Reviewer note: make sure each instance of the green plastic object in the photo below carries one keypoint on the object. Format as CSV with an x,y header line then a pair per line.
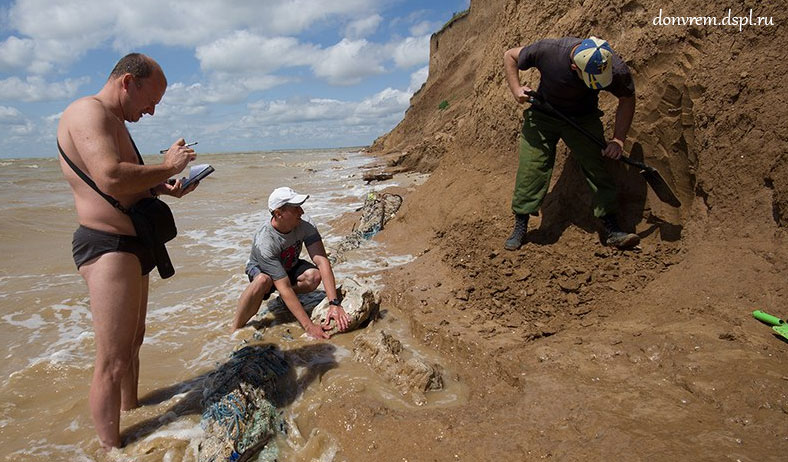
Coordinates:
x,y
767,318
779,326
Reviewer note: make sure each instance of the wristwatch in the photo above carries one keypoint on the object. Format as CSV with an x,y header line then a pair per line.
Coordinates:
x,y
335,302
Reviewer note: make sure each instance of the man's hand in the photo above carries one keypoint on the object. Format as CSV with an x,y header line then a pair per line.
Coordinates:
x,y
337,313
175,188
315,331
521,96
179,155
614,149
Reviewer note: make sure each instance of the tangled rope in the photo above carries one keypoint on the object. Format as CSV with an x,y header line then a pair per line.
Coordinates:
x,y
377,210
239,418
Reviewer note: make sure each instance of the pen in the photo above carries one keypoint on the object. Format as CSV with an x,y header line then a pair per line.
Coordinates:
x,y
185,146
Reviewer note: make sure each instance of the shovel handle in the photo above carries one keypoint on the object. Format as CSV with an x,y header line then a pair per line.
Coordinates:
x,y
653,178
634,163
537,101
767,318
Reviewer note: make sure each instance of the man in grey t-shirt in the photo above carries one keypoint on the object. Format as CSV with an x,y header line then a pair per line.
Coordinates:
x,y
274,264
573,72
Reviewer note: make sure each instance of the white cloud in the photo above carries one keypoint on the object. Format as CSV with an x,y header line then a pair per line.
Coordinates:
x,y
16,53
59,32
263,82
43,19
24,128
383,105
65,30
286,112
418,78
348,62
10,114
13,121
412,51
53,118
304,122
223,89
244,51
296,15
345,63
47,125
243,47
38,56
361,28
35,88
424,28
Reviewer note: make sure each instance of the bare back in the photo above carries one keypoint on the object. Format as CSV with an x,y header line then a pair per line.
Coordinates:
x,y
96,140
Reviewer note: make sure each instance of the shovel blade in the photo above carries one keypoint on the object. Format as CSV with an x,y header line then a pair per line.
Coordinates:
x,y
782,330
660,186
651,174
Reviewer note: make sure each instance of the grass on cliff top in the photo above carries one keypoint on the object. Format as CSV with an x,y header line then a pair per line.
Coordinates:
x,y
456,16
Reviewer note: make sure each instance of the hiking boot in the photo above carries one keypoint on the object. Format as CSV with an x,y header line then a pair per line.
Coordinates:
x,y
615,237
518,235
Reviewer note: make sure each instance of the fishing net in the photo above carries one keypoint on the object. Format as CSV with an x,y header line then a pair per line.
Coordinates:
x,y
240,417
377,210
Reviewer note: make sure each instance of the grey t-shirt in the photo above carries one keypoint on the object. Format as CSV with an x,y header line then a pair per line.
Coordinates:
x,y
276,253
561,86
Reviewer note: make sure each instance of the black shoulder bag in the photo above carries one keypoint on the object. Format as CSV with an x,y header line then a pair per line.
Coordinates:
x,y
151,217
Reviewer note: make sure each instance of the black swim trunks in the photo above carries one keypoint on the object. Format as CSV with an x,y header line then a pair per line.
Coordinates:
x,y
297,270
91,243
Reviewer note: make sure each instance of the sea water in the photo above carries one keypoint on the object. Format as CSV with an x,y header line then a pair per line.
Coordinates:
x,y
46,336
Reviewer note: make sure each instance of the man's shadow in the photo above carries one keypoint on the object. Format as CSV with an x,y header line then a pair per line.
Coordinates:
x,y
569,202
281,387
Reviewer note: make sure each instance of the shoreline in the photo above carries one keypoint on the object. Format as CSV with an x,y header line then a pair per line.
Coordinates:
x,y
55,155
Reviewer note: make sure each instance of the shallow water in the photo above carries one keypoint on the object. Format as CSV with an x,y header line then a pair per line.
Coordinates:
x,y
47,339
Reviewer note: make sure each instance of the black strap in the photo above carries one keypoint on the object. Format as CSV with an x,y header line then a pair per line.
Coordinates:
x,y
89,181
136,150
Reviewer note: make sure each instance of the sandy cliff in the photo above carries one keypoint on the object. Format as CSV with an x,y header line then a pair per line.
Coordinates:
x,y
710,101
573,350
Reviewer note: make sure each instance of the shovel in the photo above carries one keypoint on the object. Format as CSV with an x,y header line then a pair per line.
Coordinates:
x,y
652,176
779,326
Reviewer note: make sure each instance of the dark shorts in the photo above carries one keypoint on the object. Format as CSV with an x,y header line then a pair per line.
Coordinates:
x,y
297,270
91,243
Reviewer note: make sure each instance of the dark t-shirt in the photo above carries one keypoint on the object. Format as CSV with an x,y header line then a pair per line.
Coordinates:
x,y
561,86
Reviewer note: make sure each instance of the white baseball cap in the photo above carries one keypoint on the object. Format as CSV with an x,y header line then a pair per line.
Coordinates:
x,y
594,58
285,196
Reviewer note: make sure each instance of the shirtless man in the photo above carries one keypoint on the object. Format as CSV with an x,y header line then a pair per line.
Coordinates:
x,y
113,262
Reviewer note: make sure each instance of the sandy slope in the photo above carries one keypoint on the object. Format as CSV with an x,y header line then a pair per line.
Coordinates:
x,y
574,351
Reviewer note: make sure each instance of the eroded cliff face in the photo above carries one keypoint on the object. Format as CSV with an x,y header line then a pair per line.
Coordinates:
x,y
710,110
583,352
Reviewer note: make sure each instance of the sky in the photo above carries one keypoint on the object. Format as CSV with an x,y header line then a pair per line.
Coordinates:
x,y
243,75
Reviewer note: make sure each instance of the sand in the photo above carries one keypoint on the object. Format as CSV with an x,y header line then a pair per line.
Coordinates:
x,y
571,350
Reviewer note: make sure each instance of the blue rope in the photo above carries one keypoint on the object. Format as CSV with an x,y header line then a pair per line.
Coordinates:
x,y
254,365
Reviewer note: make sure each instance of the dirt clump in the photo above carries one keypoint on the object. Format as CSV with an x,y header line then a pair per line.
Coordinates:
x,y
409,374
